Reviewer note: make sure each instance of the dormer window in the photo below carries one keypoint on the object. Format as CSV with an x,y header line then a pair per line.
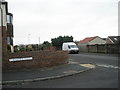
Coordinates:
x,y
115,39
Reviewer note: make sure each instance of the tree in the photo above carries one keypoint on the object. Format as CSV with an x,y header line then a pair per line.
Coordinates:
x,y
57,42
35,46
8,48
16,48
45,45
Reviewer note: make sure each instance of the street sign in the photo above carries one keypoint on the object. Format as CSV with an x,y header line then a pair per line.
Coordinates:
x,y
20,59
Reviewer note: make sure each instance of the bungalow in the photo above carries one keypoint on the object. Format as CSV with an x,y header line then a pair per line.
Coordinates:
x,y
113,40
89,41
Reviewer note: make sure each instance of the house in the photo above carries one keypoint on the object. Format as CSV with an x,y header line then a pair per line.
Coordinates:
x,y
10,29
89,41
113,40
6,26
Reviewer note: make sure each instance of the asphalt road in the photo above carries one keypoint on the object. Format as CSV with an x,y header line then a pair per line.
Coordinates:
x,y
105,75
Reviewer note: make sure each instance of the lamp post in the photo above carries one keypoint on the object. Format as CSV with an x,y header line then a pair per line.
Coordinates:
x,y
0,44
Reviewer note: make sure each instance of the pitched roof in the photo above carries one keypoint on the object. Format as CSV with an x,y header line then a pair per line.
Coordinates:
x,y
88,39
103,38
114,39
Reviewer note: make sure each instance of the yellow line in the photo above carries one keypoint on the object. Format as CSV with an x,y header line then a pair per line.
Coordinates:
x,y
87,65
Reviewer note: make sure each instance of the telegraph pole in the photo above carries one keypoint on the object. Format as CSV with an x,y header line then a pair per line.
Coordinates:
x,y
39,44
39,40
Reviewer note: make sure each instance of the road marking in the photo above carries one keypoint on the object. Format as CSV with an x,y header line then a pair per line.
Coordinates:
x,y
70,59
87,65
108,66
70,71
71,62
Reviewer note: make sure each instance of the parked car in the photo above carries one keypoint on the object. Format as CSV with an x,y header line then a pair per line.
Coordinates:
x,y
71,47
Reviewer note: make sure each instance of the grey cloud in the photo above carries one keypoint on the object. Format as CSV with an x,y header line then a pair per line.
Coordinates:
x,y
58,17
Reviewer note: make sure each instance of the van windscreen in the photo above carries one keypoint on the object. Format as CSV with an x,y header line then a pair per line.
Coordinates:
x,y
73,46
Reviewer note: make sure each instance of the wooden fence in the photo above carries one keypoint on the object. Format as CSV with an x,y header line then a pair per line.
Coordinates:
x,y
104,48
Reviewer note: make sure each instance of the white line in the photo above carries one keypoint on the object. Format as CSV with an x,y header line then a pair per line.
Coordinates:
x,y
70,59
108,66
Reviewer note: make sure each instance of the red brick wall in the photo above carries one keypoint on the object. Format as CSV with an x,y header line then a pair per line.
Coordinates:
x,y
40,59
52,48
4,41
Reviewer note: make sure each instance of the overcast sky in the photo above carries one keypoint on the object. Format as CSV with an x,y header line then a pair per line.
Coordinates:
x,y
51,18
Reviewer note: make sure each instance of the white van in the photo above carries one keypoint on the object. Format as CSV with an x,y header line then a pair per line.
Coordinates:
x,y
71,47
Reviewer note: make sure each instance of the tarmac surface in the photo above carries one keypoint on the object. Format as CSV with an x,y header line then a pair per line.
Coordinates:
x,y
26,76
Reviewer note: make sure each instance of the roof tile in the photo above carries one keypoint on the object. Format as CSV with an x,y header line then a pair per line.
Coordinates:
x,y
88,39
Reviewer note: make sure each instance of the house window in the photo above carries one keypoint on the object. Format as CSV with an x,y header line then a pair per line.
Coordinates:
x,y
8,40
8,19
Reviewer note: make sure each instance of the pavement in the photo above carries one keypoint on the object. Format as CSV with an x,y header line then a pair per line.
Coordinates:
x,y
26,76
